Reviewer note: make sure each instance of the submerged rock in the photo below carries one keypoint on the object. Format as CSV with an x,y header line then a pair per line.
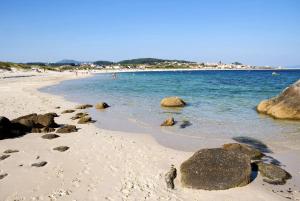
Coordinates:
x,y
40,164
185,123
168,122
273,174
84,106
285,106
61,148
170,176
101,105
216,169
67,129
253,153
172,102
67,111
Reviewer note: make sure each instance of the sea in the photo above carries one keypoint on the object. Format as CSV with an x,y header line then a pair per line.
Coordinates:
x,y
221,105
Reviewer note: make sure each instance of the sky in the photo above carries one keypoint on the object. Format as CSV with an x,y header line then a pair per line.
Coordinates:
x,y
256,32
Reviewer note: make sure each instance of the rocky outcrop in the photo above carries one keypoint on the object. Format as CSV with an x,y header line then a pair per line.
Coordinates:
x,y
216,169
67,111
168,122
285,106
273,174
101,105
35,123
67,129
172,102
254,154
84,106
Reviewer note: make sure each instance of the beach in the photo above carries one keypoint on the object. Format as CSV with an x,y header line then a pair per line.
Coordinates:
x,y
103,164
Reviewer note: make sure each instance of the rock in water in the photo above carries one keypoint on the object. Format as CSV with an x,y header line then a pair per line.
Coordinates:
x,y
170,176
168,122
67,129
253,153
216,169
61,148
172,102
273,174
101,105
81,107
285,106
67,111
40,164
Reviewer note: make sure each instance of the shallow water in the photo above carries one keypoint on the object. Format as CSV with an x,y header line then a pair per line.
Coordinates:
x,y
221,104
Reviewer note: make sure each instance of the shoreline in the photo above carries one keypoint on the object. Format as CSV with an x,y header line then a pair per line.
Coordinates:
x,y
101,164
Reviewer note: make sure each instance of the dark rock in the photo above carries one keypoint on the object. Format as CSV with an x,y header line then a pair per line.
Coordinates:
x,y
5,126
52,114
67,129
79,115
168,122
40,164
47,130
216,169
85,120
46,120
67,111
3,157
185,124
101,105
36,130
170,176
58,107
253,153
28,121
50,136
10,151
81,107
61,148
273,174
3,175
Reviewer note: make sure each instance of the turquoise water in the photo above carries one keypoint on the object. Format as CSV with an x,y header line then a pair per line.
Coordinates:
x,y
221,104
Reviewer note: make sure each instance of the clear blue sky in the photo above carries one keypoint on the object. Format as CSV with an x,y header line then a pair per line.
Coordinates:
x,y
259,32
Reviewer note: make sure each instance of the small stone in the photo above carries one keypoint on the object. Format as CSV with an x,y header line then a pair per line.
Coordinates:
x,y
3,175
67,129
85,119
3,157
273,174
40,164
58,107
10,151
185,124
67,111
81,107
168,122
170,176
61,148
50,136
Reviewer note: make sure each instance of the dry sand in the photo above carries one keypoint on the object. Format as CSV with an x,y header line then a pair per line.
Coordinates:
x,y
100,164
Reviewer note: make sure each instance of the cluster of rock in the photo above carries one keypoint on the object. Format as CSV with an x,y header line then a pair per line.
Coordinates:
x,y
228,167
284,106
32,123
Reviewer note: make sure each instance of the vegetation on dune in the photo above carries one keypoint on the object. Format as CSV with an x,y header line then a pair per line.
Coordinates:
x,y
149,61
10,65
103,63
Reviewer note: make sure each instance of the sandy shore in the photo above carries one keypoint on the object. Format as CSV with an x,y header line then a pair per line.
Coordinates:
x,y
100,164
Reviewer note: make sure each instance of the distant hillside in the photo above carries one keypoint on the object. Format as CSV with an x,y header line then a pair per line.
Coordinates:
x,y
103,63
68,61
149,61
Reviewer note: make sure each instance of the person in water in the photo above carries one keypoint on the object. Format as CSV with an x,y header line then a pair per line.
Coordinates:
x,y
114,76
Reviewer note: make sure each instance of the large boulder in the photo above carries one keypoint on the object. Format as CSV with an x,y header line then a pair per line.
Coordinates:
x,y
216,169
172,102
284,106
253,153
101,105
273,174
46,120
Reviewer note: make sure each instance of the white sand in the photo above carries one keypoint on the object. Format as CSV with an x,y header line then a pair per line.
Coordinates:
x,y
100,164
